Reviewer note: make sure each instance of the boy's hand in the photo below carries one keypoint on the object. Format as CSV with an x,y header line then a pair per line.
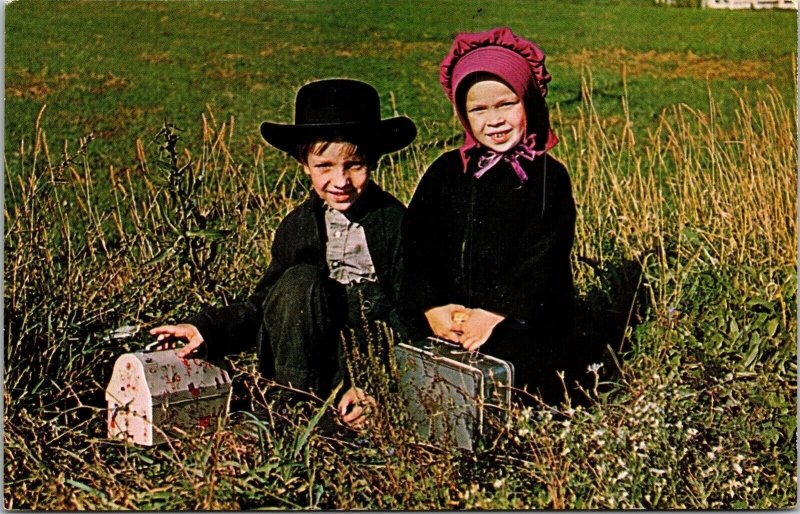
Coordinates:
x,y
185,331
355,407
447,321
478,327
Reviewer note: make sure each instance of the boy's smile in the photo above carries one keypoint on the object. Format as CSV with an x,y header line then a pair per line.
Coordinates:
x,y
339,176
496,115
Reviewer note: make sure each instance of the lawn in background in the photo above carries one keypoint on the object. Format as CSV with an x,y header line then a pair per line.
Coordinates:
x,y
118,69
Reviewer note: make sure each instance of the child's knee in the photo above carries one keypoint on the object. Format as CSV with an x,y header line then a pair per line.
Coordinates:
x,y
296,284
303,291
303,276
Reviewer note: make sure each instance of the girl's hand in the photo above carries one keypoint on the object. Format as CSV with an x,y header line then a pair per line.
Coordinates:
x,y
445,321
478,327
355,407
185,331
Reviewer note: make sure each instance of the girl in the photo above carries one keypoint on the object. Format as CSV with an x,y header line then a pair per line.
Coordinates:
x,y
489,230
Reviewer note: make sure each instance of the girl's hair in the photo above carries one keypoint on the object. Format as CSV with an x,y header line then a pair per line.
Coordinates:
x,y
319,145
536,114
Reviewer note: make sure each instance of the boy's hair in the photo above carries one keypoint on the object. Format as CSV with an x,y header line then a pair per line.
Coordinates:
x,y
319,145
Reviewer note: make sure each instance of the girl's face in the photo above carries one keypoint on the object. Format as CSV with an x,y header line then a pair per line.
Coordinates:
x,y
496,115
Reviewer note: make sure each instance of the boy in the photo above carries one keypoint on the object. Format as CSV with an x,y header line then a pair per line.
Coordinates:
x,y
335,259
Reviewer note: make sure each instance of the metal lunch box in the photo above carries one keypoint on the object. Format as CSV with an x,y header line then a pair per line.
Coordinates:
x,y
449,391
153,392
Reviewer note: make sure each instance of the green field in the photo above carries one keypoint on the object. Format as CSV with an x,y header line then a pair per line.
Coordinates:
x,y
678,127
118,69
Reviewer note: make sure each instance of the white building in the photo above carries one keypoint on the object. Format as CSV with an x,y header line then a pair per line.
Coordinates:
x,y
738,4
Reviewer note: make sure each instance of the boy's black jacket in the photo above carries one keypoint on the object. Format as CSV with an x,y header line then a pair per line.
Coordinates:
x,y
300,239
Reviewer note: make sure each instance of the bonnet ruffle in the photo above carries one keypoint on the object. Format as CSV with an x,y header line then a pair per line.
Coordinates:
x,y
502,37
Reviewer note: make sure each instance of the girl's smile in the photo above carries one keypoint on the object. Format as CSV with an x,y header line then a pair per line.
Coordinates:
x,y
499,137
496,115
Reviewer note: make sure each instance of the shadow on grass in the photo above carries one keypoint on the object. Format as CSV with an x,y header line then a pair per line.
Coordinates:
x,y
605,316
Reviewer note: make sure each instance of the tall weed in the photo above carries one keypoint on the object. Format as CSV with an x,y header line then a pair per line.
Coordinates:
x,y
686,242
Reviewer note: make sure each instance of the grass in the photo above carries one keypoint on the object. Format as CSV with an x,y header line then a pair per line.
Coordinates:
x,y
685,259
99,72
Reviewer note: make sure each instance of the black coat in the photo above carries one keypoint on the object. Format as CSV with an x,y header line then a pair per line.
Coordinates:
x,y
300,239
492,243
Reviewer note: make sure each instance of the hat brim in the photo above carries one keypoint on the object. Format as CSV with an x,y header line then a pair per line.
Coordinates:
x,y
382,137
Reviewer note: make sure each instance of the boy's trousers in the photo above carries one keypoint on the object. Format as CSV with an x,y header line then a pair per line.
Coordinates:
x,y
305,316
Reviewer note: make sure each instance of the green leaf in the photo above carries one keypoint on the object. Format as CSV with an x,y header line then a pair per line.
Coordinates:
x,y
753,352
759,302
733,328
211,235
161,256
303,438
772,327
86,488
691,236
145,458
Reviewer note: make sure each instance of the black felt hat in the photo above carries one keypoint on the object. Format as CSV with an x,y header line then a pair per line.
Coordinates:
x,y
340,108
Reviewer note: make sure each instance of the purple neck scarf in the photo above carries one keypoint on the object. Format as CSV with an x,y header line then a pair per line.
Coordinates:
x,y
523,150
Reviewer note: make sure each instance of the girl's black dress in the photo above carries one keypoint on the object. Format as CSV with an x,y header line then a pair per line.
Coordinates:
x,y
501,245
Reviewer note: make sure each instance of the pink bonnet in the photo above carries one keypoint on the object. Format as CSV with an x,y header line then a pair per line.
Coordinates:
x,y
497,51
517,61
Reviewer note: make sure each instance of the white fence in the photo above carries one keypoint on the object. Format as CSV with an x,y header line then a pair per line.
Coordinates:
x,y
734,4
750,4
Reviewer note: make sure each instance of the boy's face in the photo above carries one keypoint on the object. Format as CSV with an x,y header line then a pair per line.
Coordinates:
x,y
339,175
